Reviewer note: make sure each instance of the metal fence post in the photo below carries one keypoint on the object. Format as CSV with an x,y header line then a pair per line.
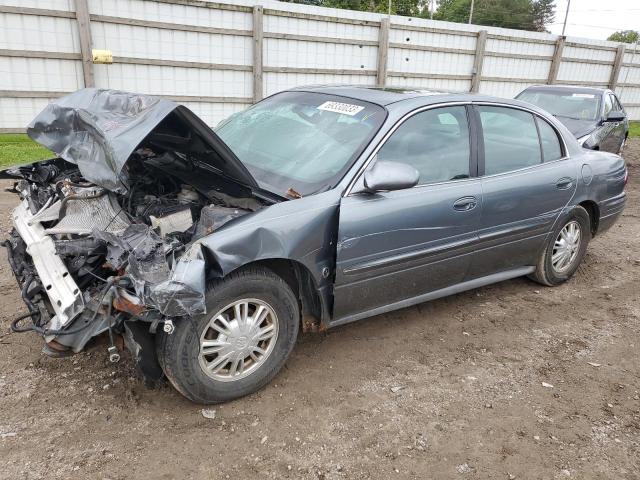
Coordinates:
x,y
617,65
556,61
478,61
258,34
84,29
383,52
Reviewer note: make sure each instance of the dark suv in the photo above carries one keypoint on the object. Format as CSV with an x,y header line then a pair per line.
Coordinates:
x,y
595,116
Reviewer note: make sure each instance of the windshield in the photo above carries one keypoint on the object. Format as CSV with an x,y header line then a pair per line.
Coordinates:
x,y
578,106
299,142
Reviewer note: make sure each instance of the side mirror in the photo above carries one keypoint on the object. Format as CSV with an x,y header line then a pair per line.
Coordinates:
x,y
386,176
615,116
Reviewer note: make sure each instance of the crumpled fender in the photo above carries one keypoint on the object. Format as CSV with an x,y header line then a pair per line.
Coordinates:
x,y
282,231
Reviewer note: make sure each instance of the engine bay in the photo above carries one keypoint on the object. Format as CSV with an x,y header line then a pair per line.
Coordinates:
x,y
88,259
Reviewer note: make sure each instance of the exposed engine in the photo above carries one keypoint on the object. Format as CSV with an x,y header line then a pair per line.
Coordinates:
x,y
88,259
106,237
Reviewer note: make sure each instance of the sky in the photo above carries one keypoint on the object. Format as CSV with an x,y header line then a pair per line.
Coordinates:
x,y
596,18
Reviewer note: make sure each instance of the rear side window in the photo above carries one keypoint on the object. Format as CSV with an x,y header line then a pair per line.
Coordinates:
x,y
510,139
435,142
551,149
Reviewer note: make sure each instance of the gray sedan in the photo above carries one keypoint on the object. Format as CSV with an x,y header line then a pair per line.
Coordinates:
x,y
594,116
209,251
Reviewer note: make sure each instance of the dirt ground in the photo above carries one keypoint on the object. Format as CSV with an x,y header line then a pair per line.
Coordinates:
x,y
511,381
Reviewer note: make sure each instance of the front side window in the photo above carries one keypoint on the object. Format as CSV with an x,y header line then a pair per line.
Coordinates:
x,y
551,148
617,105
510,139
435,142
608,104
301,141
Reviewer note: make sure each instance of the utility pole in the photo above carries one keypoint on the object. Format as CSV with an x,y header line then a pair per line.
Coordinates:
x,y
431,9
566,15
389,8
471,13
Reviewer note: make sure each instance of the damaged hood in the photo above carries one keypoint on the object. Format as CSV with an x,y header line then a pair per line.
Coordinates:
x,y
98,129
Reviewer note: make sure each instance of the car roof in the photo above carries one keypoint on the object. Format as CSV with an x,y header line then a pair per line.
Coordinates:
x,y
568,88
384,96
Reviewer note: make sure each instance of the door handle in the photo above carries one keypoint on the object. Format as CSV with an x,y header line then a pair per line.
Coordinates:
x,y
564,183
465,204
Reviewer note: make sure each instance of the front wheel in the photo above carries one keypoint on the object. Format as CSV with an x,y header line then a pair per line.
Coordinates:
x,y
565,249
239,345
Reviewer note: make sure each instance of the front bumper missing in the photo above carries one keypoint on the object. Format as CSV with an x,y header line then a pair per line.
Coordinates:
x,y
63,292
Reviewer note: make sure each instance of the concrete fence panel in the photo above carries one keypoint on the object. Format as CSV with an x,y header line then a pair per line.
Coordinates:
x,y
218,58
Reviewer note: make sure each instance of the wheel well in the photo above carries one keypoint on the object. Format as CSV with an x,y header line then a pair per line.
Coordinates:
x,y
304,287
594,214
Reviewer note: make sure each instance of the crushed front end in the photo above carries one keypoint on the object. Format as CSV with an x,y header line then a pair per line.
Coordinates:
x,y
106,238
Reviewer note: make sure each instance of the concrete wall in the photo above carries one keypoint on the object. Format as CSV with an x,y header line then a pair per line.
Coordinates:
x,y
219,58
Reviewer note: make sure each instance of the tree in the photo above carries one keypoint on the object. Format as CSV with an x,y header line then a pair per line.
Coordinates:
x,y
518,14
624,36
544,12
398,7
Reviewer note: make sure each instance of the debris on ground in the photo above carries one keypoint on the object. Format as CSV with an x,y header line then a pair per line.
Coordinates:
x,y
210,414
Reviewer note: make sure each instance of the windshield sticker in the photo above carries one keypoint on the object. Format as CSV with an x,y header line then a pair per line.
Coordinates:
x,y
583,95
343,108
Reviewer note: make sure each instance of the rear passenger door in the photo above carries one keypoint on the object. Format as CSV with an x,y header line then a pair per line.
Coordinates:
x,y
526,182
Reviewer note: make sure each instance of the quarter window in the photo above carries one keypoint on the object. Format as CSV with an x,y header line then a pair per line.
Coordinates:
x,y
435,142
551,149
510,139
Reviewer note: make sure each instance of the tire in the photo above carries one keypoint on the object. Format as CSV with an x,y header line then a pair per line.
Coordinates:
x,y
180,352
548,274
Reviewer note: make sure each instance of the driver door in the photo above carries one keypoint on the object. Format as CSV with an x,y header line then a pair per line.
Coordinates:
x,y
394,246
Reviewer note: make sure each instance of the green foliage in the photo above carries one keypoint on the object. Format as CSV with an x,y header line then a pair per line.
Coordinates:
x,y
544,12
634,129
409,8
624,36
18,148
519,14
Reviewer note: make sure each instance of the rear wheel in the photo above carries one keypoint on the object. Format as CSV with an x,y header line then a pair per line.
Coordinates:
x,y
565,249
239,345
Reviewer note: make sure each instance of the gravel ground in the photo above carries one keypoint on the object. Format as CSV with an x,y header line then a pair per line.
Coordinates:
x,y
511,381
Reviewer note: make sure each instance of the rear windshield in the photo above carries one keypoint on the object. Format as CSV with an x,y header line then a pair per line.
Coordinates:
x,y
575,105
299,140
